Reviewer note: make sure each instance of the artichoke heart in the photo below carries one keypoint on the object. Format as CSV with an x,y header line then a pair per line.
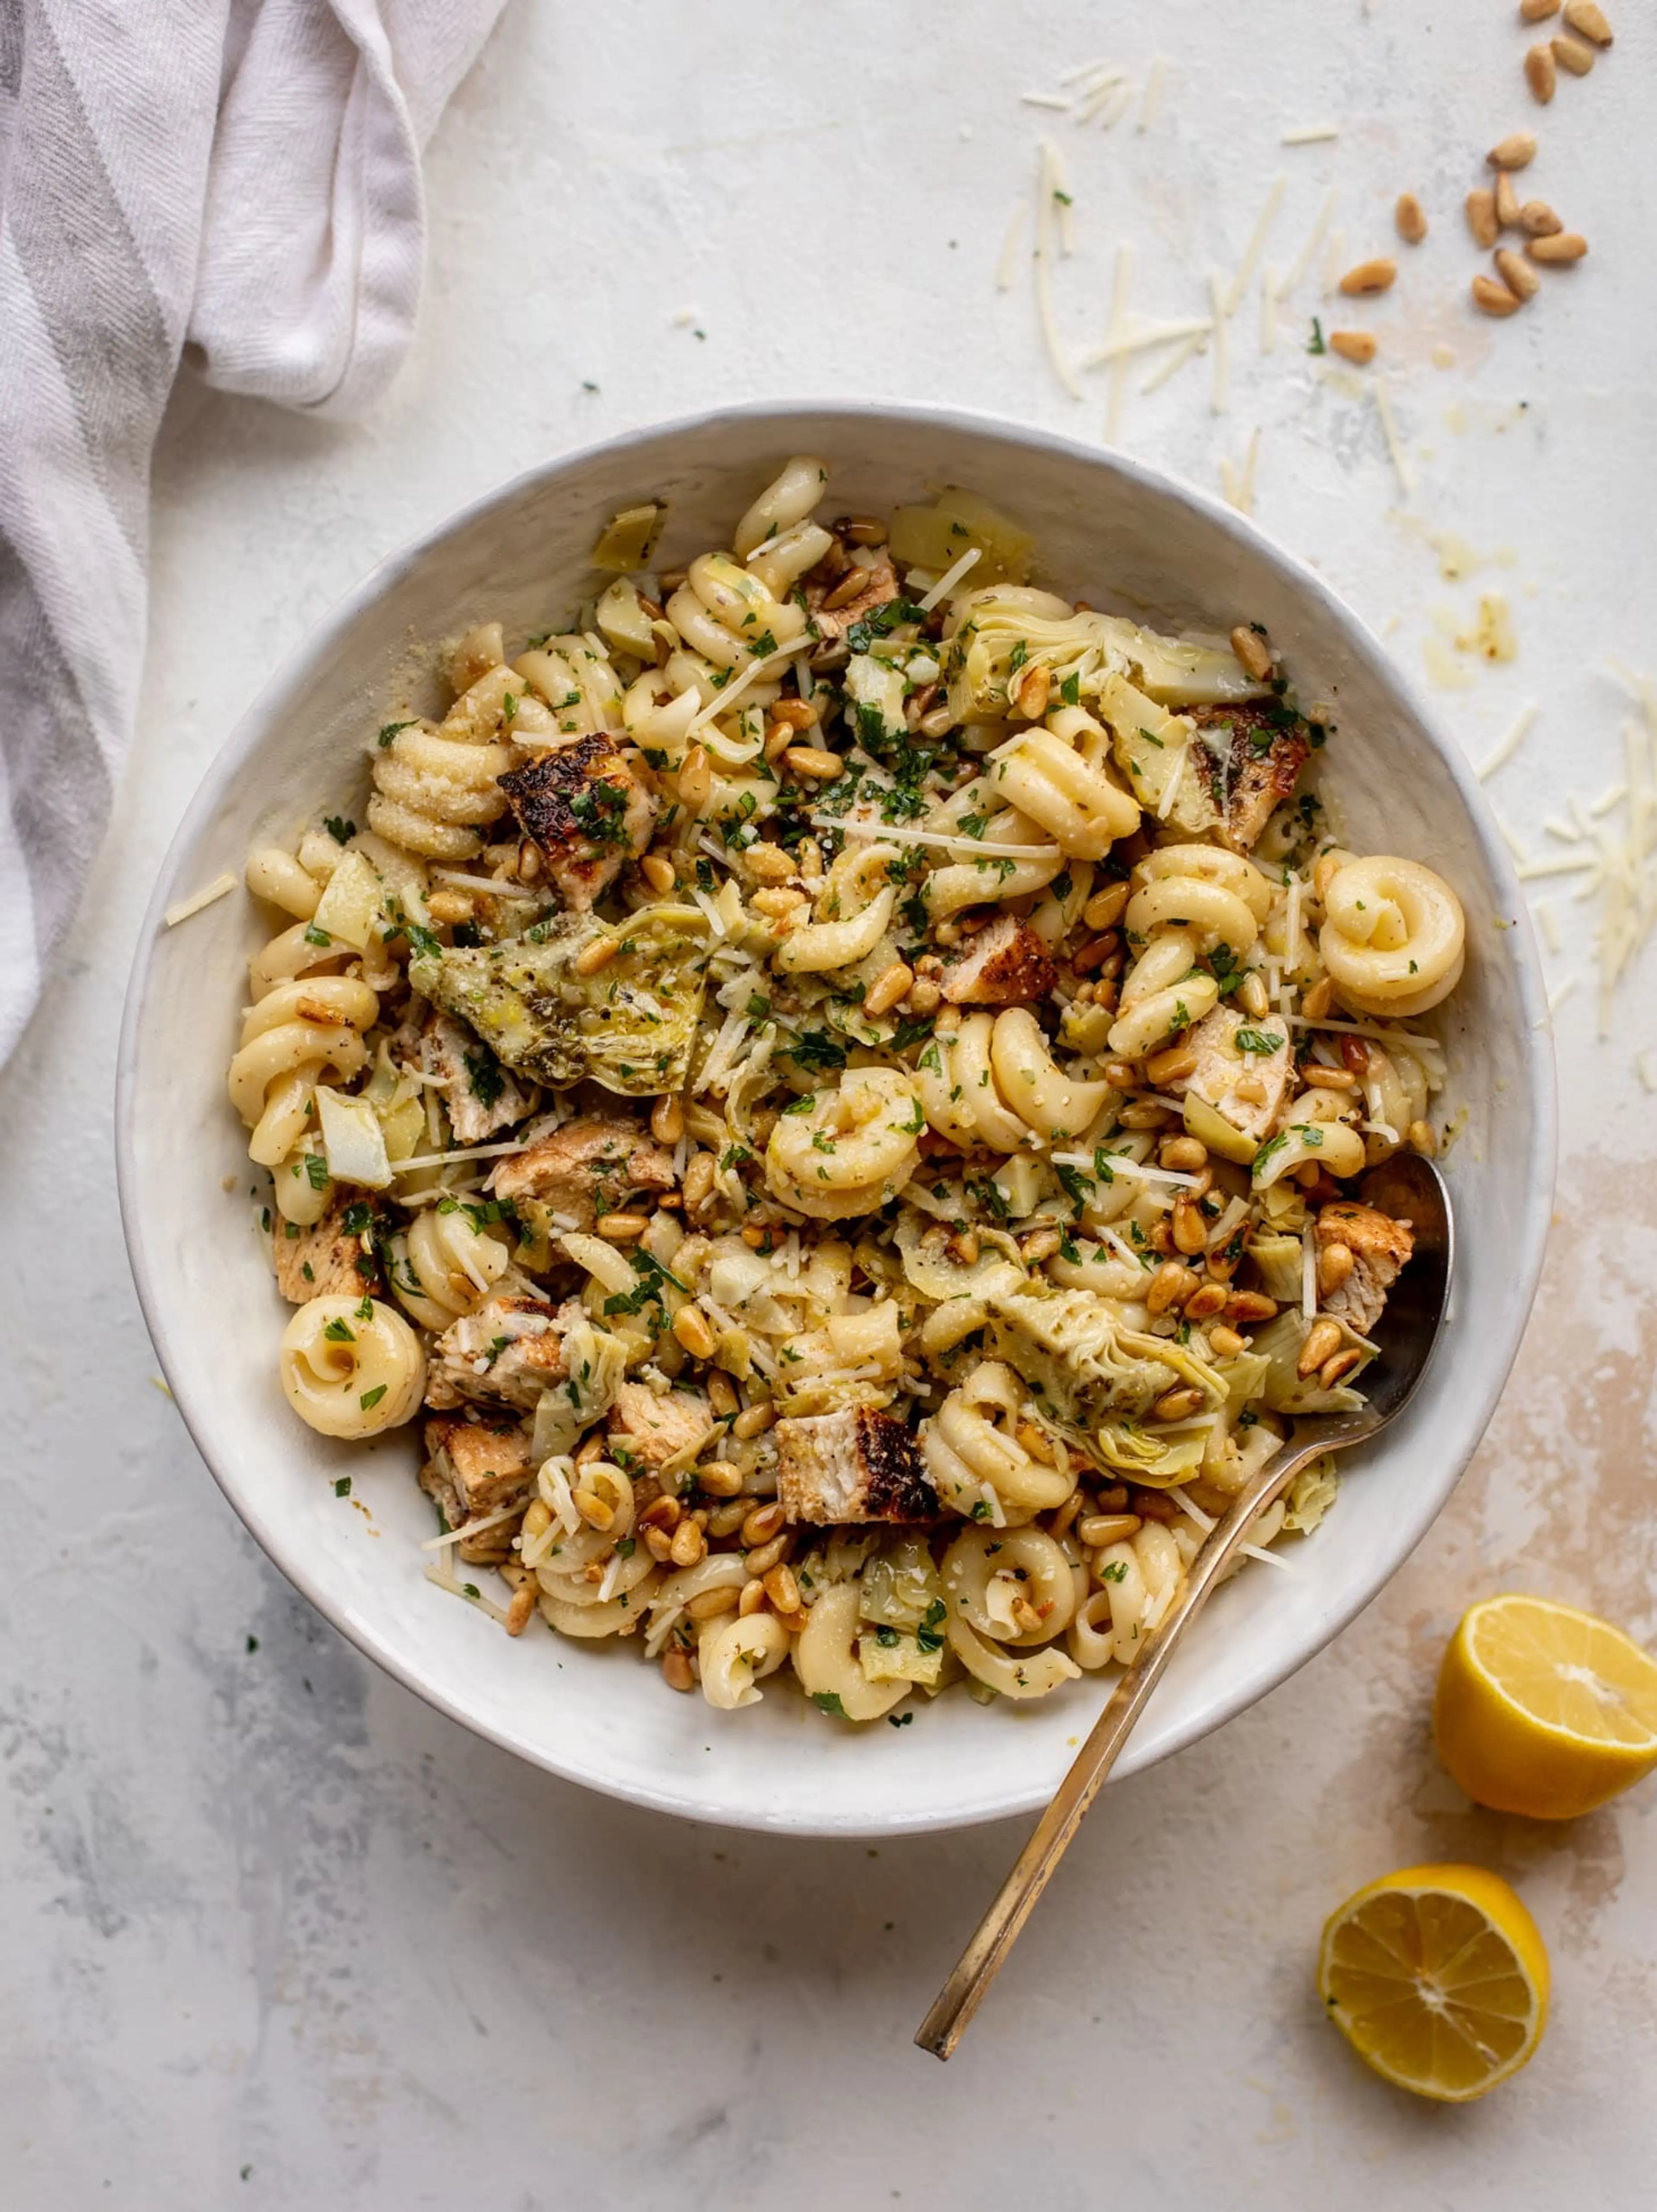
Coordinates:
x,y
628,1026
1097,1378
1001,634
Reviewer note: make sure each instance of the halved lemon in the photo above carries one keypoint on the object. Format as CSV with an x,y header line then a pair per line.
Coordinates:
x,y
1545,1710
1438,1979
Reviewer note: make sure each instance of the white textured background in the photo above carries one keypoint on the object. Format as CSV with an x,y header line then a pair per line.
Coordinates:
x,y
272,1933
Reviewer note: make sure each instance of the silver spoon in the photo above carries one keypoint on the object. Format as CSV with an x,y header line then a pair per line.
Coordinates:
x,y
1410,1189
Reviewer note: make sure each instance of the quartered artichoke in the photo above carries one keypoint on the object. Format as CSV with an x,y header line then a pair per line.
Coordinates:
x,y
628,1026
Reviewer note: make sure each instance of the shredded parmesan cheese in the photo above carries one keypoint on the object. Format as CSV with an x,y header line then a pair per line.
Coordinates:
x,y
1150,106
1311,134
1222,389
1510,744
1046,175
219,888
946,583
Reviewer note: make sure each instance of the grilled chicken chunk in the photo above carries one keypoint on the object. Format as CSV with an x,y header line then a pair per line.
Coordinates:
x,y
855,1465
1251,757
1222,1068
507,1352
473,1469
587,812
480,1096
326,1259
1379,1247
1005,964
588,1167
656,1426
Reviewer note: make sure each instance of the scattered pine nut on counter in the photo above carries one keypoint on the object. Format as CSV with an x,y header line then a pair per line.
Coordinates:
x,y
1539,73
1375,275
1353,345
1516,151
1410,219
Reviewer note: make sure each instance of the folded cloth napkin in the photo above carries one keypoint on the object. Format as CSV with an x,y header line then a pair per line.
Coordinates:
x,y
235,181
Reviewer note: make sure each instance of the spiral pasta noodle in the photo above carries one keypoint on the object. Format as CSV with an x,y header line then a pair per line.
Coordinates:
x,y
444,1266
1187,899
351,1367
1394,937
851,1149
992,1081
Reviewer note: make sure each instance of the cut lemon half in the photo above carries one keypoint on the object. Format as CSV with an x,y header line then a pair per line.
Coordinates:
x,y
1545,1710
1438,1979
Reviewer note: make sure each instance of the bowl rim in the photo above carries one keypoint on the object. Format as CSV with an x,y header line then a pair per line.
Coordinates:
x,y
250,733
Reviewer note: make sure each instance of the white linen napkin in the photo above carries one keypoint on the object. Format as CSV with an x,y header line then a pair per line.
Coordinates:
x,y
234,181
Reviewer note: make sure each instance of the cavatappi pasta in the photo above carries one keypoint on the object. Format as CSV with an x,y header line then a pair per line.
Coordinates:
x,y
829,1087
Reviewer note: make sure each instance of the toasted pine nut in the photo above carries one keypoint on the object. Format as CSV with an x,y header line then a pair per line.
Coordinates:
x,y
658,1543
1322,1339
753,1597
721,1478
1105,908
676,1669
778,900
688,1544
762,1524
798,713
1538,220
528,869
707,1605
1493,298
924,996
1537,11
622,1228
755,1238
1171,1285
1251,995
1177,1405
1333,1370
1516,151
779,736
593,1511
767,863
539,1517
668,1121
1151,1505
1191,1230
1251,652
1250,1306
1517,273
1035,1442
1409,219
885,991
1185,1155
1420,1138
591,958
814,761
696,780
1171,1063
1335,1264
1585,17
699,1180
663,1512
1094,1530
1506,203
851,585
657,871
1202,1304
690,1328
1481,217
1539,74
450,906
1571,54
722,1394
1353,345
1319,1000
1226,1343
1564,246
764,1557
1375,275
1031,693
1144,1114
753,1421
781,1588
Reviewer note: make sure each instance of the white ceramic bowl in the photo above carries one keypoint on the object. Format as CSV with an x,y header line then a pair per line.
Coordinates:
x,y
1108,530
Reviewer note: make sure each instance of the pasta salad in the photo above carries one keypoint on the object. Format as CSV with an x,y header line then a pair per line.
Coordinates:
x,y
828,1089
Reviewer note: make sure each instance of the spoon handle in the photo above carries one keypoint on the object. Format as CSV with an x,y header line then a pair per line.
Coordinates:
x,y
978,1964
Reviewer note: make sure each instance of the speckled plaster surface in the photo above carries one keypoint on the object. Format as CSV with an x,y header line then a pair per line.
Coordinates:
x,y
275,1933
